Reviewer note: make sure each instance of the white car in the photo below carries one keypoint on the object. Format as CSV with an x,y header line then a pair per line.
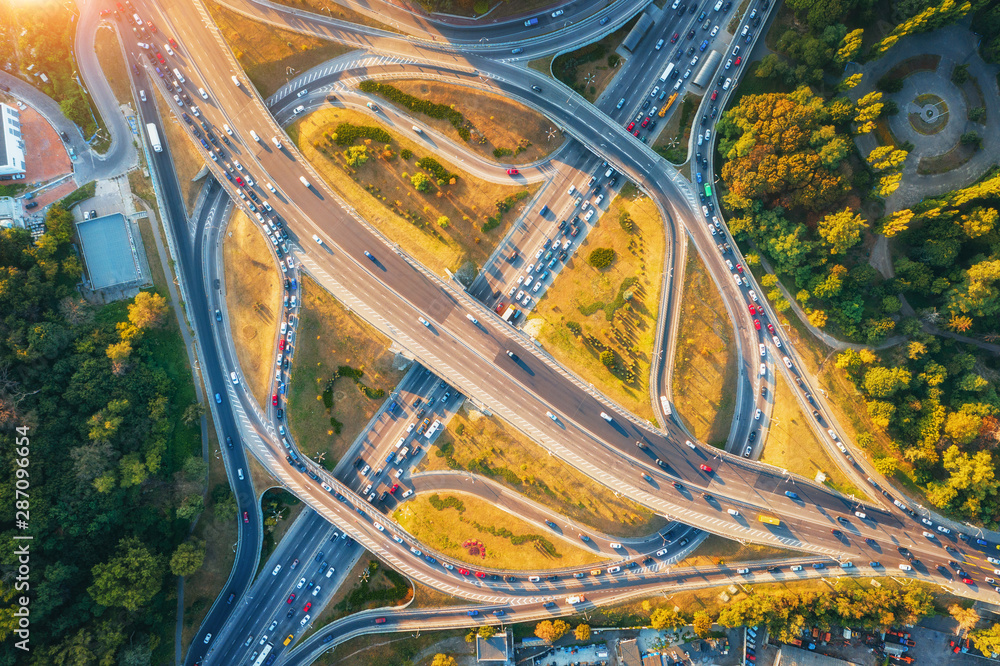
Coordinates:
x,y
763,369
787,362
756,416
690,444
208,637
616,546
777,342
142,95
302,581
753,296
228,129
270,187
763,350
201,91
527,281
379,527
557,13
538,285
714,32
520,295
232,375
606,416
316,590
590,214
277,568
729,63
472,319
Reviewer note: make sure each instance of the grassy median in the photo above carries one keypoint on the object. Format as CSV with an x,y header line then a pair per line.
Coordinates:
x,y
705,372
187,159
468,529
485,445
253,296
437,213
500,128
601,322
326,408
270,56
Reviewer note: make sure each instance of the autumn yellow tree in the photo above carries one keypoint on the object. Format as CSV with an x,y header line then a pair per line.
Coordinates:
x,y
582,632
549,630
896,223
886,157
841,230
147,310
979,222
888,184
849,46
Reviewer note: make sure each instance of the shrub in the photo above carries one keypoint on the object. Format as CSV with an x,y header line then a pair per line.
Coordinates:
x,y
421,183
601,258
433,167
346,134
608,358
574,328
976,113
356,155
889,84
419,105
443,221
625,220
971,139
502,152
960,74
481,6
406,153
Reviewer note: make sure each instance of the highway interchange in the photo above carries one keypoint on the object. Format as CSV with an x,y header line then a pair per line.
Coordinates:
x,y
531,391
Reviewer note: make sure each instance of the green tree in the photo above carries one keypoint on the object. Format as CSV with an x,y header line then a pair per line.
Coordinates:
x,y
191,506
601,257
608,358
421,183
187,558
443,221
978,294
355,156
841,230
960,74
971,138
130,579
193,413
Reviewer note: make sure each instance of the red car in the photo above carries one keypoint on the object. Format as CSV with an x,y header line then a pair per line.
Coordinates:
x,y
291,598
152,28
967,581
380,620
770,329
673,40
172,42
281,344
501,307
480,574
239,181
739,59
631,126
645,122
715,93
512,172
274,399
636,134
756,324
739,268
705,468
464,572
752,308
246,518
394,488
305,609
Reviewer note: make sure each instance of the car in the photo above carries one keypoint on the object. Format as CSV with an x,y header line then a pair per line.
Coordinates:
x,y
380,620
246,517
557,13
752,308
714,32
295,563
630,127
536,88
756,416
756,324
690,34
512,172
464,572
715,94
748,451
274,399
291,598
705,468
837,533
208,637
480,574
673,40
770,329
736,63
967,580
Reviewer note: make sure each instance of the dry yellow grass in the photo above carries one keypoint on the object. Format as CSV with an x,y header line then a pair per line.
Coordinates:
x,y
253,297
716,550
792,445
585,295
498,122
265,53
705,358
187,159
328,337
109,54
453,530
518,463
382,192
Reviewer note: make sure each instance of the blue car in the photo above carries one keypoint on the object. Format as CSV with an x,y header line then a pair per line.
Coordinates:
x,y
818,565
473,613
791,495
700,179
875,565
703,46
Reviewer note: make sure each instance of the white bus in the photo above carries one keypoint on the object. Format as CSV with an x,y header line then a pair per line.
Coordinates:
x,y
263,655
666,72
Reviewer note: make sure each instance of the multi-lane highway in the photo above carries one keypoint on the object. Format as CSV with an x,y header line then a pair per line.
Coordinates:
x,y
485,359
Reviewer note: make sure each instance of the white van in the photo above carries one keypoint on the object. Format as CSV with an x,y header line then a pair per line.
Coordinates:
x,y
276,142
236,81
733,512
177,73
302,179
254,135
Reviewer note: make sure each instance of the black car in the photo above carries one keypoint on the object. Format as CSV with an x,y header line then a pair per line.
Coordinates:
x,y
536,88
280,413
691,34
752,436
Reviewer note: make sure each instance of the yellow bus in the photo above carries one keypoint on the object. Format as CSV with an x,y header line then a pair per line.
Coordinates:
x,y
770,520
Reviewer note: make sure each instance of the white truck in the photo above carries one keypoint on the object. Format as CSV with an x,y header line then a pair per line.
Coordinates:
x,y
579,599
154,138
